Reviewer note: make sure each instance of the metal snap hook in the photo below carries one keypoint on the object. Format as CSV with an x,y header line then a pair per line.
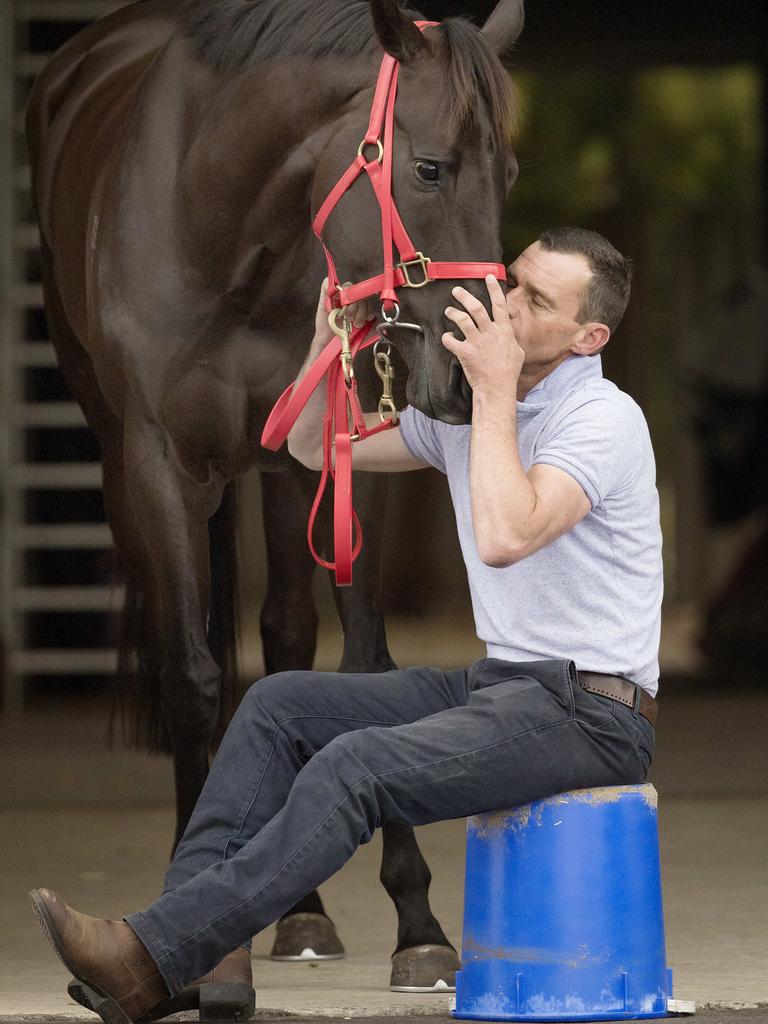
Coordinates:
x,y
386,372
343,331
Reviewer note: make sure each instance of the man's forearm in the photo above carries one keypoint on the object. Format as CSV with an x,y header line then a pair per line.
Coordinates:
x,y
503,498
305,439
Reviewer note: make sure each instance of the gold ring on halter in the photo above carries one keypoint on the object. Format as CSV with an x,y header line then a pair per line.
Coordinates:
x,y
363,144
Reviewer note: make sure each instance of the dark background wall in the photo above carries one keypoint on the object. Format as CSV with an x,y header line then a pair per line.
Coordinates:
x,y
646,122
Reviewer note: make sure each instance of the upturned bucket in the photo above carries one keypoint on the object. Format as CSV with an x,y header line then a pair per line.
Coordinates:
x,y
563,916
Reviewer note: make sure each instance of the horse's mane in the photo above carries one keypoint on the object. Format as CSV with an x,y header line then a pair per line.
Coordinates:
x,y
232,35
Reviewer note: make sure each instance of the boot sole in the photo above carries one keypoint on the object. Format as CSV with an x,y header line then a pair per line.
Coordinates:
x,y
101,1003
227,1002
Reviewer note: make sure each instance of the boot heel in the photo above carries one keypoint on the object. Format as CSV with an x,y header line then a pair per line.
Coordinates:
x,y
104,1005
226,1003
185,1000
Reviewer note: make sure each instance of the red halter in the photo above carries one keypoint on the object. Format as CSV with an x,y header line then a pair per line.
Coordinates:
x,y
414,270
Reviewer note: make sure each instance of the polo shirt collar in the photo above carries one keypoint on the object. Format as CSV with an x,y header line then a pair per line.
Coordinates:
x,y
571,372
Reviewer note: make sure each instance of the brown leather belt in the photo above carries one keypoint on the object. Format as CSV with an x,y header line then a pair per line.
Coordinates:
x,y
620,689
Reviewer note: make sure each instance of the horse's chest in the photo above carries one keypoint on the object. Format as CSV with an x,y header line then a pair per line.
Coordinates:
x,y
216,401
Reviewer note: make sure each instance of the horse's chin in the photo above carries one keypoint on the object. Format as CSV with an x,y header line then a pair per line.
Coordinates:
x,y
436,384
455,407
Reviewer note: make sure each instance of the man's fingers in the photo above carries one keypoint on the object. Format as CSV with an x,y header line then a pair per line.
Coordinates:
x,y
451,342
323,291
462,319
498,299
353,312
358,312
474,306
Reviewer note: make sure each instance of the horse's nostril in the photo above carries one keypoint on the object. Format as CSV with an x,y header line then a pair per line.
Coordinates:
x,y
466,390
455,376
458,385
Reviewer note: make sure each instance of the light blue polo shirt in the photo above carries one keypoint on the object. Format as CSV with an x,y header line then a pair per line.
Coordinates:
x,y
594,594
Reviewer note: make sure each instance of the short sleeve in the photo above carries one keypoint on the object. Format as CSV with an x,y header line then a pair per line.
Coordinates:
x,y
598,443
421,438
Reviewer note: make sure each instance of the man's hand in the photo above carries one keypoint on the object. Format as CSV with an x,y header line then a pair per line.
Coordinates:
x,y
357,312
490,356
384,452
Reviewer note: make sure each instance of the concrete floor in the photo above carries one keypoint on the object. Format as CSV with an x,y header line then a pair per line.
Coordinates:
x,y
96,825
706,1015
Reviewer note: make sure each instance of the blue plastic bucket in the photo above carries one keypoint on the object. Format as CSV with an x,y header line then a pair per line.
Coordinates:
x,y
563,916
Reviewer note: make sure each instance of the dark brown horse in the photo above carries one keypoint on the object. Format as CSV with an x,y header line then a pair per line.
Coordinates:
x,y
179,150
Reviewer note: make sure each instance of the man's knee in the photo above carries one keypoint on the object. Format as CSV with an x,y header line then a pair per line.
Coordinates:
x,y
264,686
276,691
342,758
346,761
340,774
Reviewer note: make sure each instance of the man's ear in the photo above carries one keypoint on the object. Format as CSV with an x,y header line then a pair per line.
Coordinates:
x,y
593,337
397,33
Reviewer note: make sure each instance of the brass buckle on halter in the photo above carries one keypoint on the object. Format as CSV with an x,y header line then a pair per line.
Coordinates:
x,y
343,331
421,260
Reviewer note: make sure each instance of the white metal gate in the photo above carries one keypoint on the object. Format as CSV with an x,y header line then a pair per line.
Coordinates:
x,y
55,603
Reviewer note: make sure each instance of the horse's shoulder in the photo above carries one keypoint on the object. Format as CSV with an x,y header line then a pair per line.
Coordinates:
x,y
77,105
98,52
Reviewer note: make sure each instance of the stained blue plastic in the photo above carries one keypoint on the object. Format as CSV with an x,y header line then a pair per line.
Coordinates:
x,y
563,917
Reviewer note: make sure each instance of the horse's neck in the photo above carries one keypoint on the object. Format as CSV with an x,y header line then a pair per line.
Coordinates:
x,y
248,172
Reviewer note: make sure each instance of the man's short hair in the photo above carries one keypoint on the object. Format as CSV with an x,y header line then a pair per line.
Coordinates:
x,y
607,293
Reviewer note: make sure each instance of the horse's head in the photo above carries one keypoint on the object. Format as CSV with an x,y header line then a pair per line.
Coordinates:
x,y
453,165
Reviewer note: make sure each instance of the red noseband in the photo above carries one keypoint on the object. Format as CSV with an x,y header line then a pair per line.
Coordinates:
x,y
412,270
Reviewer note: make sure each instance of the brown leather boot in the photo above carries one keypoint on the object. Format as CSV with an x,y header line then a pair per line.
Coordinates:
x,y
236,966
226,992
118,974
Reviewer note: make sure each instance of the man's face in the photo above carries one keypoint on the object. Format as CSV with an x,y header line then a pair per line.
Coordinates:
x,y
546,292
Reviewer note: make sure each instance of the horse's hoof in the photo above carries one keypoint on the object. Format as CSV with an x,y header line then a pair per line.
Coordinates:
x,y
306,937
425,969
225,1002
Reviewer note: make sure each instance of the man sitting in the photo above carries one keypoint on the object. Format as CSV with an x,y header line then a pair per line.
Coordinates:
x,y
553,485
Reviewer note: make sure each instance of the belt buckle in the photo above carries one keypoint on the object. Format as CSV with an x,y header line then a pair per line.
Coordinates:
x,y
420,260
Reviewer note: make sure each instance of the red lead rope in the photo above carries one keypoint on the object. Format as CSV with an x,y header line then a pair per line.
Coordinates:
x,y
342,404
341,399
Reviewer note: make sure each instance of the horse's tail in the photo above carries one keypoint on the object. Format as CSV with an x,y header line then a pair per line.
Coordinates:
x,y
137,710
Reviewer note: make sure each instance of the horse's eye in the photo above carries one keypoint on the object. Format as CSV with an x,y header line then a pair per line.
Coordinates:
x,y
427,171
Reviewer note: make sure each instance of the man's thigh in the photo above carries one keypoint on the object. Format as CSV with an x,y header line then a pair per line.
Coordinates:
x,y
318,706
525,733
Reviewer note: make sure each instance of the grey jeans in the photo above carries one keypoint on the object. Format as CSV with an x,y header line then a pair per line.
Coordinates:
x,y
313,763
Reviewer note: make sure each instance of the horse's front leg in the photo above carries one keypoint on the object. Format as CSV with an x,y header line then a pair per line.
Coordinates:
x,y
173,509
288,616
359,606
288,637
423,960
289,625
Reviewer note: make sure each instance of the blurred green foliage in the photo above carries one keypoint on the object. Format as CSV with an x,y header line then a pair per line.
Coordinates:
x,y
662,142
666,163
